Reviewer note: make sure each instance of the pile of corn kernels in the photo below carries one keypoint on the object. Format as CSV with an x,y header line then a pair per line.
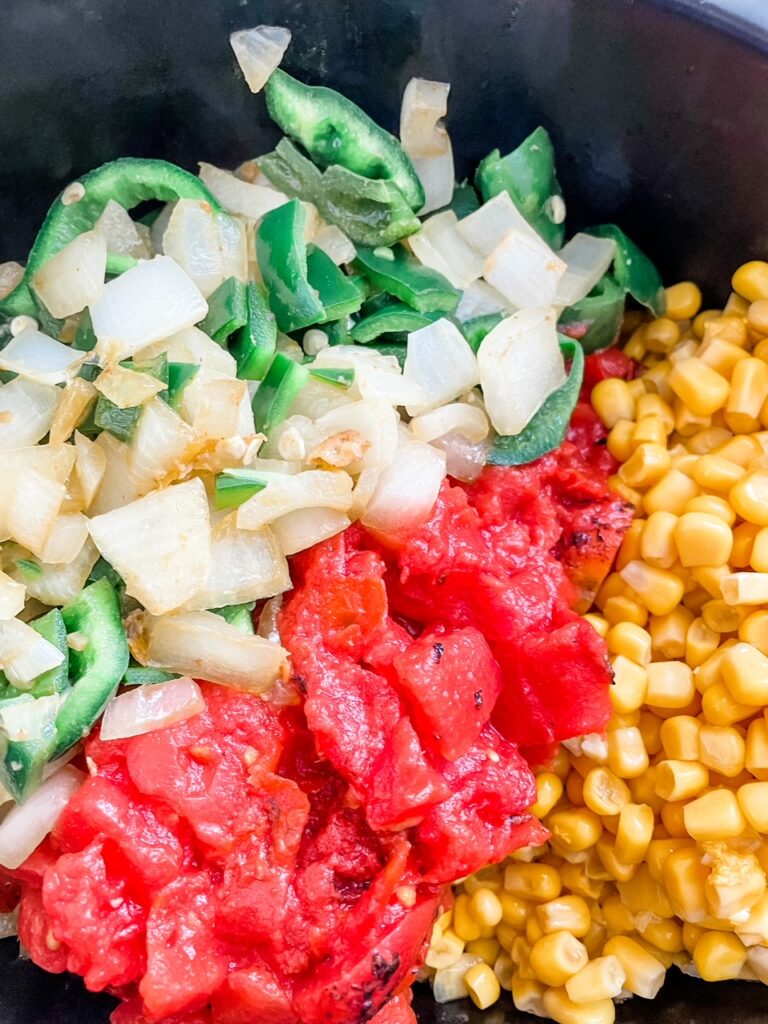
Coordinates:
x,y
659,846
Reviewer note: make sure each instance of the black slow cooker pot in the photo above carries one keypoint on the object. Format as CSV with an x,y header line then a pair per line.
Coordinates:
x,y
659,114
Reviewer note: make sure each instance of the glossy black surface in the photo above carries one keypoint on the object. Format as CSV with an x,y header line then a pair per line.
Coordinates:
x,y
658,112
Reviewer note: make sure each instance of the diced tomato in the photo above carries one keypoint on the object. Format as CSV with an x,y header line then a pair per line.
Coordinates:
x,y
404,784
397,1011
10,892
133,1011
253,996
35,933
609,362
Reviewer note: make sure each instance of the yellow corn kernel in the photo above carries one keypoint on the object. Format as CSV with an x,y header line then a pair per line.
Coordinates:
x,y
630,683
567,914
612,401
624,609
602,978
700,643
721,617
703,539
741,449
557,957
757,316
754,931
598,623
661,335
487,949
655,380
756,758
482,985
722,355
654,405
649,430
485,908
670,684
691,935
751,280
695,600
537,882
760,351
680,738
703,442
549,789
514,909
672,818
682,460
504,969
683,300
669,633
679,780
658,590
630,640
650,732
684,878
657,542
643,789
630,545
605,793
486,878
627,754
616,870
727,328
702,319
758,558
753,801
722,749
506,935
715,473
719,707
561,763
574,789
715,815
736,881
659,850
745,588
646,466
563,1010
745,673
687,424
735,306
619,442
521,953
644,894
575,879
719,956
700,387
749,497
749,389
666,935
619,919
644,972
743,542
528,995
575,829
444,950
464,924
636,388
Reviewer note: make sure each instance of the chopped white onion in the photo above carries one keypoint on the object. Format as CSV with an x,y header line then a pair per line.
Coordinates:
x,y
74,277
55,461
259,51
145,709
77,397
151,301
203,645
12,596
478,300
377,377
520,366
25,827
158,445
37,357
217,408
192,346
127,388
90,468
299,530
468,420
440,363
245,565
159,224
487,226
525,270
121,234
66,541
464,459
406,490
118,485
240,197
52,584
587,258
448,982
438,178
24,654
26,412
373,421
335,244
11,275
193,239
160,544
315,488
33,502
440,245
234,247
424,104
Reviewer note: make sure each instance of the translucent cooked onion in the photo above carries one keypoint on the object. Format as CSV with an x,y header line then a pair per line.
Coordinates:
x,y
33,502
373,421
240,197
158,444
153,300
440,363
441,246
520,366
191,346
11,275
587,258
203,645
25,826
51,584
259,51
120,233
218,406
464,459
299,530
478,299
438,177
315,488
525,270
24,654
406,490
66,539
160,545
77,398
12,596
334,243
148,708
424,104
26,412
377,377
193,239
448,983
468,420
39,358
486,227
118,484
90,467
126,388
234,247
74,277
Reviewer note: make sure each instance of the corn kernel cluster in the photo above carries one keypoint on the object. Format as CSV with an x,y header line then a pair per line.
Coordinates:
x,y
659,829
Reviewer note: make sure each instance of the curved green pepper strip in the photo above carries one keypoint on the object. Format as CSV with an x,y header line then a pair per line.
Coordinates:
x,y
547,429
633,270
390,319
335,131
27,738
402,276
595,321
253,346
528,174
129,181
227,310
478,327
97,669
281,252
275,394
339,293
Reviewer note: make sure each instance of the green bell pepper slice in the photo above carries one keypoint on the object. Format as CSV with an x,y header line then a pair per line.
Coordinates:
x,y
338,292
393,318
464,200
253,346
97,669
85,338
179,375
528,174
235,486
27,741
420,287
129,181
633,271
281,384
138,675
398,349
281,252
596,319
52,628
546,430
227,310
335,131
238,615
344,377
476,329
121,423
119,262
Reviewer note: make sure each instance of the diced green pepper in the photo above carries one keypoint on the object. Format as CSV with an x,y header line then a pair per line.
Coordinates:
x,y
235,486
335,131
633,271
227,310
97,669
119,262
476,329
27,742
157,368
51,627
393,318
528,174
344,377
253,346
281,384
121,423
179,375
338,292
89,371
464,200
281,252
392,348
546,431
85,339
138,675
418,286
596,319
238,615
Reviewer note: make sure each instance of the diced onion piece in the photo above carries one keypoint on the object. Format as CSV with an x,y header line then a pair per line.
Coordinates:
x,y
525,270
12,596
24,654
26,412
487,226
126,388
259,51
74,277
335,244
587,258
424,104
377,377
25,827
160,545
240,197
448,983
55,461
245,565
192,346
90,468
439,362
33,504
464,459
151,301
438,177
193,239
11,275
217,410
76,400
118,484
233,242
316,488
406,491
203,645
520,366
299,530
439,245
37,357
478,299
66,541
148,708
364,491
121,234
375,422
52,584
468,420
158,445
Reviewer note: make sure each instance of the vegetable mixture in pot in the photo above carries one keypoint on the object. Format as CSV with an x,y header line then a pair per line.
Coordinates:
x,y
345,561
